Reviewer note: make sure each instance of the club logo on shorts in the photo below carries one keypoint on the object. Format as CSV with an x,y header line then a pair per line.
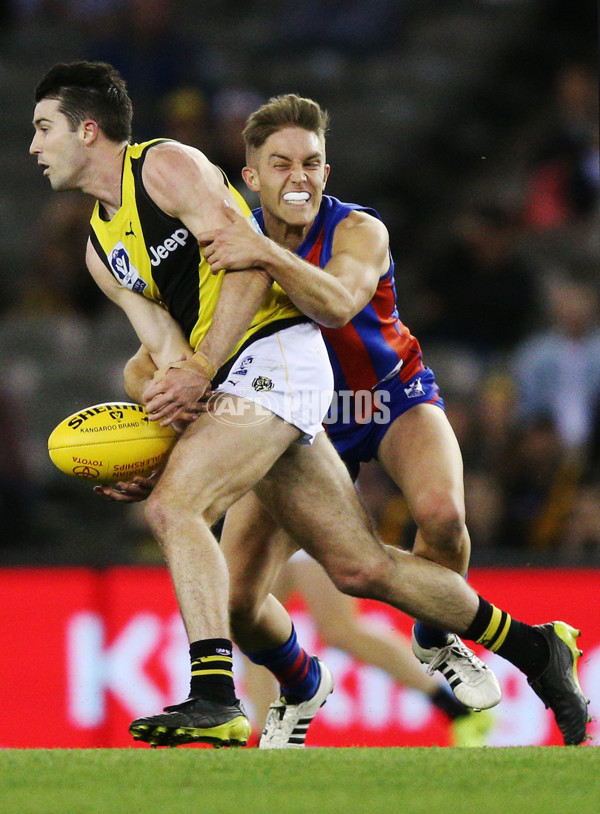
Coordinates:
x,y
414,390
262,384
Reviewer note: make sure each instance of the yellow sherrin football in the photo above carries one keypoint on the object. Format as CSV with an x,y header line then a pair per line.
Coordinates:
x,y
110,442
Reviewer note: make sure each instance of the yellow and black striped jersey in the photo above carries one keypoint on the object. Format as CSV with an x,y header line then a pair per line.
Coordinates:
x,y
156,256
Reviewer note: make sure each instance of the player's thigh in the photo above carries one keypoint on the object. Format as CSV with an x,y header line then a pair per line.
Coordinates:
x,y
254,547
310,492
421,454
219,461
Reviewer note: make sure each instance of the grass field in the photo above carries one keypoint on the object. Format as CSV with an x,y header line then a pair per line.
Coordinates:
x,y
525,780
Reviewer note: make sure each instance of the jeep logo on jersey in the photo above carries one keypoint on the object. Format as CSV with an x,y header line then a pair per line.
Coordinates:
x,y
124,270
158,254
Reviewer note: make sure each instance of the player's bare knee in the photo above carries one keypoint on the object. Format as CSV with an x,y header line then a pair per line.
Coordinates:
x,y
362,577
442,525
157,513
163,513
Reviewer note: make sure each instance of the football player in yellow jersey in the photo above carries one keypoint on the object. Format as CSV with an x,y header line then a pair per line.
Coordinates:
x,y
270,438
152,202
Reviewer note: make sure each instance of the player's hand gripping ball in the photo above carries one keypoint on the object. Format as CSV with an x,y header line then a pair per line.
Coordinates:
x,y
110,442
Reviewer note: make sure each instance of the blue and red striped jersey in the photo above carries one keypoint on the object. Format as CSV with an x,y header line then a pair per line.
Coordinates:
x,y
375,343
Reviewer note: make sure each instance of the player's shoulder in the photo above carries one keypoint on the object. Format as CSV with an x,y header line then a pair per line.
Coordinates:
x,y
348,214
361,221
174,172
166,156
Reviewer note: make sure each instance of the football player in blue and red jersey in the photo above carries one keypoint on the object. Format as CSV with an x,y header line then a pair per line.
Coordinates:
x,y
388,407
333,261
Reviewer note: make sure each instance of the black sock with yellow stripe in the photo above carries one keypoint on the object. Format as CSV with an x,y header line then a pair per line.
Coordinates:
x,y
521,644
212,670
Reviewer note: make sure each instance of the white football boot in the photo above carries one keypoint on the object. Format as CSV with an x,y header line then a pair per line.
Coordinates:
x,y
287,724
472,681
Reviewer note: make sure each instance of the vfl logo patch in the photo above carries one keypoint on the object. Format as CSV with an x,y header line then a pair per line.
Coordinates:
x,y
244,364
414,390
262,384
124,270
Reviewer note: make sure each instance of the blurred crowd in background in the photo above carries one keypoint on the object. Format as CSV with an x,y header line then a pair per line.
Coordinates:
x,y
471,125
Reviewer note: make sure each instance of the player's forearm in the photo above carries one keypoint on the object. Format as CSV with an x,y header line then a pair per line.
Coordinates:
x,y
240,298
315,292
137,374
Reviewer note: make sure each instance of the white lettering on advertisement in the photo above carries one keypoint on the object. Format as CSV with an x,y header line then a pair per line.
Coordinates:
x,y
364,696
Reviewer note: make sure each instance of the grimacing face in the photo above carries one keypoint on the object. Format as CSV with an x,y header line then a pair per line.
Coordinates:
x,y
289,173
58,149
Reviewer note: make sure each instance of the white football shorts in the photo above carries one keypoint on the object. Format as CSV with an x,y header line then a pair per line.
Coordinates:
x,y
287,374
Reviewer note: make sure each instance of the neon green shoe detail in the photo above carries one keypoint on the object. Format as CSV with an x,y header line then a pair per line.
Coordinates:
x,y
196,720
471,729
558,685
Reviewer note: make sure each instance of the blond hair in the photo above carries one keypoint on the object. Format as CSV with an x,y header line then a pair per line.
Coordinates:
x,y
288,110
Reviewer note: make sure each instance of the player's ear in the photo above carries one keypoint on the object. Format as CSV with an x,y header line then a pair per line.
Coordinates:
x,y
250,177
326,171
89,131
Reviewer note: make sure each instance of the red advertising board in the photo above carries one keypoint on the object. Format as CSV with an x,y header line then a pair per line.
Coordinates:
x,y
87,651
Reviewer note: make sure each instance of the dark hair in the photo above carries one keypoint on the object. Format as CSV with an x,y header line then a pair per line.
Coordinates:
x,y
92,90
288,110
